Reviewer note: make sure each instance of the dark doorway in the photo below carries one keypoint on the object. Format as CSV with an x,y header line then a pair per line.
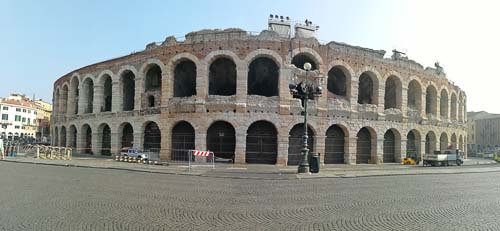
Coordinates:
x,y
88,140
128,90
152,138
222,77
295,143
300,59
153,78
334,145
337,82
185,79
108,93
363,146
106,141
389,147
262,143
127,136
263,77
221,139
365,90
63,136
182,141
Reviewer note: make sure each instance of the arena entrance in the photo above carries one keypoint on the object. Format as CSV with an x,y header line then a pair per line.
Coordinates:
x,y
88,139
106,141
182,141
152,138
221,139
295,143
127,136
334,145
262,143
363,146
389,147
412,145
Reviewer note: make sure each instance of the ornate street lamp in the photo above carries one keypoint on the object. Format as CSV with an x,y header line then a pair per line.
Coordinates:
x,y
308,88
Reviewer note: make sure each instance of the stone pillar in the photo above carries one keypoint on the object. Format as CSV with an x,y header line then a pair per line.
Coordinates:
x,y
350,148
98,98
166,89
438,107
241,87
96,141
423,103
377,150
115,140
404,101
320,147
80,143
240,149
82,99
202,81
200,140
166,142
117,98
354,94
400,150
138,138
381,98
284,91
282,159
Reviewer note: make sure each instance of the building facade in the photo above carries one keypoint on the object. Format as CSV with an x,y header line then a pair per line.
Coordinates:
x,y
227,91
483,131
18,115
43,115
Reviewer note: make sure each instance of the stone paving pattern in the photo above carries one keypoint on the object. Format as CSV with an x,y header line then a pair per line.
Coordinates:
x,y
40,197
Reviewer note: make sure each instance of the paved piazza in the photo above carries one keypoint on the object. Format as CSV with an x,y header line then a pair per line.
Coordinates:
x,y
39,197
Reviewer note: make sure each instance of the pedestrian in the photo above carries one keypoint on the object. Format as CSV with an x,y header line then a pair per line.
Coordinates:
x,y
2,149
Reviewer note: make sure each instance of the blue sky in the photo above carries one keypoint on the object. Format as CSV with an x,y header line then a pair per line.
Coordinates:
x,y
43,40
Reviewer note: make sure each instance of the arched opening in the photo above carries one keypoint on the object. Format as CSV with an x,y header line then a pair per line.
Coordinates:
x,y
367,89
453,106
363,146
302,58
461,108
444,104
389,154
64,100
72,136
453,141
443,141
152,138
56,136
415,96
87,139
262,143
108,93
338,83
431,100
63,136
88,95
430,143
295,143
222,77
413,145
128,90
185,79
106,140
151,101
334,145
263,77
127,136
183,138
392,97
153,78
221,139
73,95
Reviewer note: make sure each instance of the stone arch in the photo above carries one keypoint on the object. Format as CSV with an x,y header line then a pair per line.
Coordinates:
x,y
443,141
152,137
339,81
453,142
183,140
263,77
295,142
184,78
392,146
56,136
126,134
221,139
127,80
413,140
453,106
64,99
393,92
430,142
431,100
104,133
88,94
264,53
261,143
63,137
335,144
222,76
105,80
368,88
315,59
444,103
72,136
74,93
366,147
86,138
415,95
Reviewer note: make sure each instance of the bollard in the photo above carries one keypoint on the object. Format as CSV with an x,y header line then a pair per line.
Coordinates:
x,y
38,151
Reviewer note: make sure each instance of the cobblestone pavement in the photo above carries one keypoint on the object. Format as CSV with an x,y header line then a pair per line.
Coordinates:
x,y
41,197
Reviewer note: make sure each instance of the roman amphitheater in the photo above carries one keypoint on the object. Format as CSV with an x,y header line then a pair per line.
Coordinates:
x,y
227,91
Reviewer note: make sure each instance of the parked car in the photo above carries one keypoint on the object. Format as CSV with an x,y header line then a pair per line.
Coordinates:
x,y
133,152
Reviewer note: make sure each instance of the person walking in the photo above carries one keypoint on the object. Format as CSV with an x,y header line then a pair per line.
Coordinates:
x,y
2,153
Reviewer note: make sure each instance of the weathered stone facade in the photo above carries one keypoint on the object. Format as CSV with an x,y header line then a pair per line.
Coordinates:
x,y
356,113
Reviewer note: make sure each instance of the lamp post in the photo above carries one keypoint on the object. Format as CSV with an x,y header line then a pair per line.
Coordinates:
x,y
306,89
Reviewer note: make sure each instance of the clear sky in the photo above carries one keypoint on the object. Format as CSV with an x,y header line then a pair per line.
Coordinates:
x,y
43,40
